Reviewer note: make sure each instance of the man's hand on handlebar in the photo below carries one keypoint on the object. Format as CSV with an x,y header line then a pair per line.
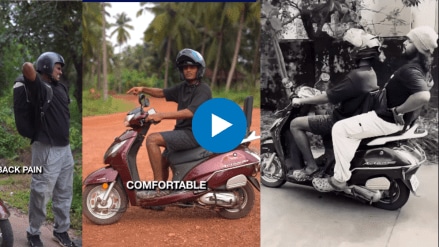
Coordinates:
x,y
296,102
154,118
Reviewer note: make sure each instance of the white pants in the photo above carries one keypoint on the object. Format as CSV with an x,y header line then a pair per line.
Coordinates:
x,y
347,135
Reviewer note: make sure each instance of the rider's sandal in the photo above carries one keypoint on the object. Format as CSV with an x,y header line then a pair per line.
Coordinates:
x,y
328,184
301,175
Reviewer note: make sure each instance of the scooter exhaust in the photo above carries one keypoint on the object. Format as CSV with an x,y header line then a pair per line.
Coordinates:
x,y
366,194
371,192
225,199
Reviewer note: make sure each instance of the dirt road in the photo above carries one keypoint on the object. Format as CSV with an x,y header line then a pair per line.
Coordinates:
x,y
174,226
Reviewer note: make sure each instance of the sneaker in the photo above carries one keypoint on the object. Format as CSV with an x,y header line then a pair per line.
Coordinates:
x,y
34,240
63,239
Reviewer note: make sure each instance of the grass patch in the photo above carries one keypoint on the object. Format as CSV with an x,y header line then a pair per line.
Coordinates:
x,y
93,104
15,191
239,96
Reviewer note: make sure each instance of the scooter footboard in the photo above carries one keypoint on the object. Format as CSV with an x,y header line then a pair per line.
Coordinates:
x,y
103,175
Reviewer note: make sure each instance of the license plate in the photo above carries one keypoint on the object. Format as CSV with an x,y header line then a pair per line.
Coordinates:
x,y
414,182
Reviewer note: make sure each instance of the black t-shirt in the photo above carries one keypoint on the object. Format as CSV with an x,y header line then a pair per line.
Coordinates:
x,y
57,116
187,97
407,80
351,92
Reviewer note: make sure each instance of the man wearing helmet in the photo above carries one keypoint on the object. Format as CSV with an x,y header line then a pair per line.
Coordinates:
x,y
349,93
50,150
189,95
407,90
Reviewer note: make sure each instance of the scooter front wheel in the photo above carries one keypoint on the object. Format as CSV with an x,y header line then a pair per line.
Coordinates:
x,y
272,173
6,234
246,200
100,212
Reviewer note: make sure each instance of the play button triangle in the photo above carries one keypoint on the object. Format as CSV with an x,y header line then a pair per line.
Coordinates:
x,y
219,125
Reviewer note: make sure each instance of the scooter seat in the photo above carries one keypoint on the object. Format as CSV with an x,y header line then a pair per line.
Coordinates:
x,y
180,157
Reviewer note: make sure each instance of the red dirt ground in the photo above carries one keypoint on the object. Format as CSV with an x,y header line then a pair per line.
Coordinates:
x,y
173,226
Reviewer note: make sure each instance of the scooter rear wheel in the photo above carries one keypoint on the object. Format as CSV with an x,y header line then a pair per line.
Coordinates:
x,y
272,175
246,198
6,234
394,198
109,213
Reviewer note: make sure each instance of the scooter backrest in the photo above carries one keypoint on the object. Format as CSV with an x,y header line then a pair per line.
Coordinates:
x,y
409,134
248,108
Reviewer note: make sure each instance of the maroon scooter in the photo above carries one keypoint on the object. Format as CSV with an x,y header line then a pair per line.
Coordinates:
x,y
217,181
6,234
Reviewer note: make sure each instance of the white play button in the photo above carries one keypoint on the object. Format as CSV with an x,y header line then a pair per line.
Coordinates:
x,y
219,125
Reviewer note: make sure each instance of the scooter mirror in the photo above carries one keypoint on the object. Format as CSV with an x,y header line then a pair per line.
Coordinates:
x,y
143,100
325,77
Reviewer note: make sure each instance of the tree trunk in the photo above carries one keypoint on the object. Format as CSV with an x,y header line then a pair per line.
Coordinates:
x,y
203,44
257,60
98,72
119,70
217,60
168,55
77,62
104,56
235,55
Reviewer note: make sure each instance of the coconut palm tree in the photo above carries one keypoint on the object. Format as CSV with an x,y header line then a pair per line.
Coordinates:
x,y
104,50
91,38
122,25
122,37
246,13
172,24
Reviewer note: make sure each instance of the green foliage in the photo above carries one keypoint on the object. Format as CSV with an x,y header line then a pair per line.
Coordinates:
x,y
75,127
75,137
132,78
95,105
10,142
30,28
238,96
211,28
76,208
16,198
429,143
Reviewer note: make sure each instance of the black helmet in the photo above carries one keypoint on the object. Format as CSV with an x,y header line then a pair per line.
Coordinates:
x,y
366,45
190,57
47,61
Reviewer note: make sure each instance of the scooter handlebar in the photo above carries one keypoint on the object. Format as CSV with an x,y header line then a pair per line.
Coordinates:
x,y
152,112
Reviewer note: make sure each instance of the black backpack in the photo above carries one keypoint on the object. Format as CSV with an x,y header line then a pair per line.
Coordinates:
x,y
29,109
